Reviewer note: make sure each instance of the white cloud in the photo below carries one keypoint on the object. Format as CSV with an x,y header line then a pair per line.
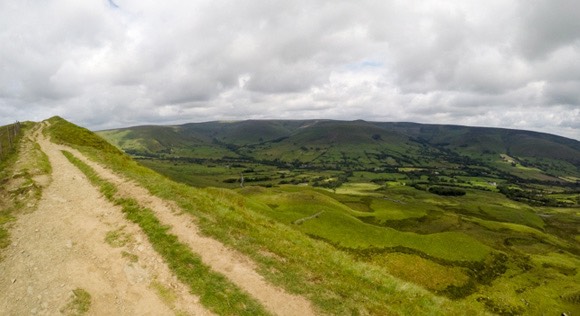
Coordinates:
x,y
101,64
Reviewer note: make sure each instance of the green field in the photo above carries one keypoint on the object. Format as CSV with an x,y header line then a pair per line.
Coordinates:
x,y
475,245
444,208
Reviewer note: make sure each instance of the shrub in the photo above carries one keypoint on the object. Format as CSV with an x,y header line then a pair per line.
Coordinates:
x,y
447,191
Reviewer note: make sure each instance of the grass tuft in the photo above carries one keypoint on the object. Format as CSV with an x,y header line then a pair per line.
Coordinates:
x,y
132,257
118,238
79,303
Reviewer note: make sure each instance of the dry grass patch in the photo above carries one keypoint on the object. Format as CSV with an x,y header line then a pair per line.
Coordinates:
x,y
118,238
79,303
426,273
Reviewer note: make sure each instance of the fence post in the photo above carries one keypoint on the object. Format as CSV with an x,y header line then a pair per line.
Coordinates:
x,y
9,136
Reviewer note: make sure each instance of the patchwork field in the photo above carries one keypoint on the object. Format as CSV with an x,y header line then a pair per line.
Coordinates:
x,y
447,209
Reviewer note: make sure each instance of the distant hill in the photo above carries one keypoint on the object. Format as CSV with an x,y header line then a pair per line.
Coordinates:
x,y
483,139
360,145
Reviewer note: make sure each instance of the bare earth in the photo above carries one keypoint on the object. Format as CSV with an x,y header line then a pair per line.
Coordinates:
x,y
61,246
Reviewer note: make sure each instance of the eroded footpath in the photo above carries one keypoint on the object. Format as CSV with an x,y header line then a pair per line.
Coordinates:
x,y
61,246
232,264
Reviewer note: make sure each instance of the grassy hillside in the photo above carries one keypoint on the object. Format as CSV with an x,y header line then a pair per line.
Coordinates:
x,y
240,133
535,168
483,140
505,238
358,143
336,280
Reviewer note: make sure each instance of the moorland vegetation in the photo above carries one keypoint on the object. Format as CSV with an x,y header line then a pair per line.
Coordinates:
x,y
484,216
358,217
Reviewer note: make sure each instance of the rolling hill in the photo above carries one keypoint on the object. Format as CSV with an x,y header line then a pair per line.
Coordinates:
x,y
361,145
379,220
475,214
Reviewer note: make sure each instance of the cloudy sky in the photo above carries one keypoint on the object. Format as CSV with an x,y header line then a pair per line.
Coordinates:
x,y
112,63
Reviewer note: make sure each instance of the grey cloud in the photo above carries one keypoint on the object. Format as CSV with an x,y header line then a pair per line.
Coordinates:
x,y
547,25
106,64
563,93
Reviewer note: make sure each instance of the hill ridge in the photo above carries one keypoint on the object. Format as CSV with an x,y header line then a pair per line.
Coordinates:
x,y
327,142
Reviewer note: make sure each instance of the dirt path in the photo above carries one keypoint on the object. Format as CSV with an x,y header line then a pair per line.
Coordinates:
x,y
61,247
235,266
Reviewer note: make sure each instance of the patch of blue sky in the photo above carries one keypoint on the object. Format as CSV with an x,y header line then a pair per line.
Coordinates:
x,y
112,4
365,65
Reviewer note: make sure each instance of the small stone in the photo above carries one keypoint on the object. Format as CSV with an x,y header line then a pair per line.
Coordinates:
x,y
13,281
69,243
36,230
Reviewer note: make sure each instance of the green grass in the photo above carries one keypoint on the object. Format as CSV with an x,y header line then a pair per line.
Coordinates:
x,y
215,291
389,208
496,208
118,238
130,256
550,278
19,191
338,225
358,188
521,274
79,303
418,270
166,294
66,132
333,280
499,226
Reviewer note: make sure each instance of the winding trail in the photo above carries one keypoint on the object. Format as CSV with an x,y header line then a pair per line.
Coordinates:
x,y
61,246
235,266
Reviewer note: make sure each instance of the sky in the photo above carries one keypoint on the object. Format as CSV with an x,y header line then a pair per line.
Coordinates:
x,y
115,63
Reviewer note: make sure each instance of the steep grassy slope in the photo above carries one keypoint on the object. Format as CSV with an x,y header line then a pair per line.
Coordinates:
x,y
492,140
509,242
332,279
242,132
437,242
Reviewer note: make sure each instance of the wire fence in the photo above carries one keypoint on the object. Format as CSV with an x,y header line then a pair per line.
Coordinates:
x,y
8,136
